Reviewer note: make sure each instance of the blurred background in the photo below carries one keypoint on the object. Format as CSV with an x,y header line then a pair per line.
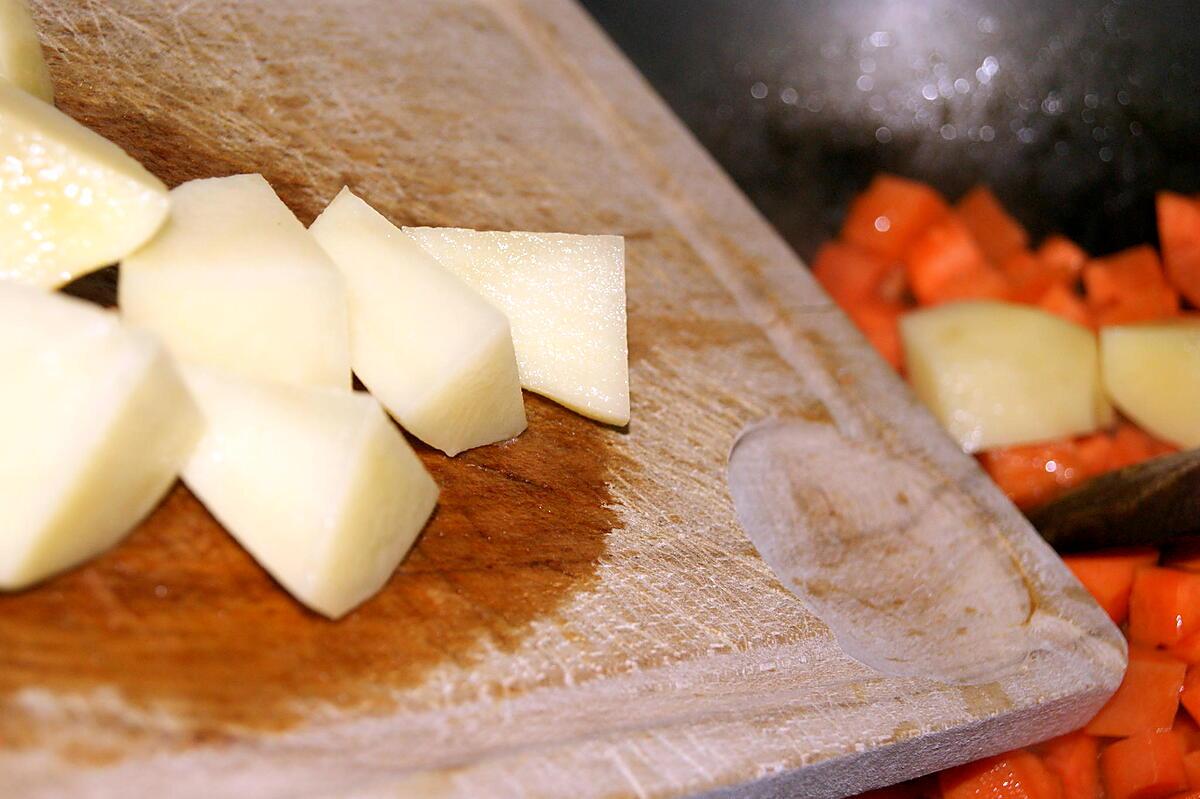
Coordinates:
x,y
1075,113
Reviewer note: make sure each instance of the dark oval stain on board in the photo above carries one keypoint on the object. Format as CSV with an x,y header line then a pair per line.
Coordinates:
x,y
179,617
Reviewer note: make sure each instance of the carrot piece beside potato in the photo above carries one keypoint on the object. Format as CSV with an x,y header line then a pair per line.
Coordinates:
x,y
892,211
1062,257
1164,606
1015,775
1179,235
1060,300
851,275
1129,287
945,263
1147,699
1132,444
1073,758
1147,766
880,323
1035,473
998,233
1108,576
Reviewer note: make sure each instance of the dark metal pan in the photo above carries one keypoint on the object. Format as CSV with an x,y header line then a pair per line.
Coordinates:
x,y
1074,112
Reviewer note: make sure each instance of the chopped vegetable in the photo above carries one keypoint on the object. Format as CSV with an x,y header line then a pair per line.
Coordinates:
x,y
1015,775
1147,699
1129,287
1000,374
1062,301
1108,576
1063,256
998,233
1179,235
890,214
1073,759
1151,372
880,322
1144,767
852,275
1164,607
1034,473
1191,767
1189,697
945,264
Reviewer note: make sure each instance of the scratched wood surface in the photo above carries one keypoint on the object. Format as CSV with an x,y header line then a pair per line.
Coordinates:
x,y
587,614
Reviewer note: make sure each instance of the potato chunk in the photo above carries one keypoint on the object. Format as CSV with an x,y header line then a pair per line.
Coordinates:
x,y
70,200
21,61
997,374
95,423
1151,372
316,483
564,295
234,281
436,354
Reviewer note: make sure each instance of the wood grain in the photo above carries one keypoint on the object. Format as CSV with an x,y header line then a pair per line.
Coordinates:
x,y
585,615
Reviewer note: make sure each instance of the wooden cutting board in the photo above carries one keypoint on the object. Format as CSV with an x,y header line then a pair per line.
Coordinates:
x,y
585,615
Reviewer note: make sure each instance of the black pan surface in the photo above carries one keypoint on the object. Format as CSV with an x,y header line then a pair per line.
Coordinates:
x,y
1076,113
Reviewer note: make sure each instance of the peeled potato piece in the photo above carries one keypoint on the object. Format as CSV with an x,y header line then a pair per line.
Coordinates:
x,y
234,281
95,423
997,374
70,201
21,61
316,483
436,354
564,295
1152,373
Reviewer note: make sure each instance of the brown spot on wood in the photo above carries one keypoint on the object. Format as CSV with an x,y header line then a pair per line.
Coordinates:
x,y
985,700
180,618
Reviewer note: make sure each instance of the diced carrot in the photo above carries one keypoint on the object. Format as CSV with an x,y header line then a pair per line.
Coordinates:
x,y
986,284
1129,287
998,234
1147,766
945,263
1187,650
851,275
1095,453
1027,276
1147,699
1191,767
1060,300
1108,576
1164,606
1189,697
1183,555
880,323
1131,445
1063,257
890,214
1179,235
1015,775
1188,732
1072,758
1036,473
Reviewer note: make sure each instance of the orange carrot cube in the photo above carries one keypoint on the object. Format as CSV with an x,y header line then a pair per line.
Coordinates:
x,y
890,214
998,233
1147,699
